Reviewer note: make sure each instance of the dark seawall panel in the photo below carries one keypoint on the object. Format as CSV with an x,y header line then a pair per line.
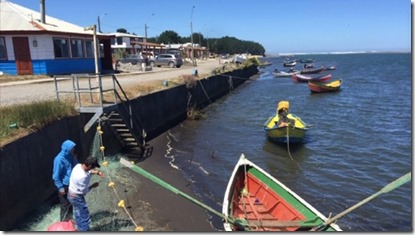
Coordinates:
x,y
26,164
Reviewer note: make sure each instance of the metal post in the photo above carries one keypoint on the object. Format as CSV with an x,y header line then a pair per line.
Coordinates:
x,y
191,37
145,28
99,22
99,25
94,28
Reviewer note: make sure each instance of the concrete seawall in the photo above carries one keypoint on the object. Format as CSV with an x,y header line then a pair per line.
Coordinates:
x,y
26,164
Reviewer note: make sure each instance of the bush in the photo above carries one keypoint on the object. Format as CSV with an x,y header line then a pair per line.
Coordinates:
x,y
24,118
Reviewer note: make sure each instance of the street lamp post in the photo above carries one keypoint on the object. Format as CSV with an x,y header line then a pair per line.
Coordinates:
x,y
191,37
99,22
146,27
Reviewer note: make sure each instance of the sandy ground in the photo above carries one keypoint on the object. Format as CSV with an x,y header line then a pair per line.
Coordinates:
x,y
17,92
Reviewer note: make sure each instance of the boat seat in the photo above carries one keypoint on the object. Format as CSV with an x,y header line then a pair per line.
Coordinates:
x,y
273,223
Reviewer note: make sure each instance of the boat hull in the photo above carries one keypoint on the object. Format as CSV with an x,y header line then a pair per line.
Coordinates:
x,y
320,87
303,78
284,74
263,203
286,134
289,64
310,71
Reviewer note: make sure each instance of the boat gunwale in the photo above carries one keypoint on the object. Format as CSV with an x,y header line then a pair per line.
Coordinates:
x,y
244,161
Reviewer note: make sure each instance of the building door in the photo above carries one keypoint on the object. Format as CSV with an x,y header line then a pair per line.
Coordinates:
x,y
22,56
106,57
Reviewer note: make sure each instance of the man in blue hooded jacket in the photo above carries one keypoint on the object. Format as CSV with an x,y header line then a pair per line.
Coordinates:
x,y
63,164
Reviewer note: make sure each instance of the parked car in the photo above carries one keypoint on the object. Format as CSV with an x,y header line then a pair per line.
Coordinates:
x,y
171,60
133,59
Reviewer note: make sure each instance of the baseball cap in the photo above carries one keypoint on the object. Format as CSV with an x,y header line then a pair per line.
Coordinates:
x,y
92,161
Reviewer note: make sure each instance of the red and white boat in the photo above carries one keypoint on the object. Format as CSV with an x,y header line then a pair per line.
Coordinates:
x,y
304,78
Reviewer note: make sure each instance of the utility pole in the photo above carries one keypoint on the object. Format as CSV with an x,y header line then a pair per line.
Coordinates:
x,y
99,22
145,33
191,37
99,25
146,27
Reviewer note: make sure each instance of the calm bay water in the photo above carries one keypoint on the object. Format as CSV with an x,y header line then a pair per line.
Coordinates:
x,y
360,140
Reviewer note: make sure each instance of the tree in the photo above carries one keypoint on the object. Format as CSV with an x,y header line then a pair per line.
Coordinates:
x,y
121,30
222,45
169,36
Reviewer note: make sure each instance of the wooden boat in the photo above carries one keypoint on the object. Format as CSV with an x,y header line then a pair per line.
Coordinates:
x,y
332,67
289,132
314,70
307,61
318,87
278,73
260,202
309,66
289,63
303,78
264,64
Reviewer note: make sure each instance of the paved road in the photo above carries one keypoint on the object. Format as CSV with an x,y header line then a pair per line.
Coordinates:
x,y
44,89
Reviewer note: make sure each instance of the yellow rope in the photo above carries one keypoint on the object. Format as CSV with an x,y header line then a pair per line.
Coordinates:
x,y
288,145
105,163
288,141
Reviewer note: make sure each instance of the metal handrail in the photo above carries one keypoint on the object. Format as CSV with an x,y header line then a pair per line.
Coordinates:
x,y
132,117
121,100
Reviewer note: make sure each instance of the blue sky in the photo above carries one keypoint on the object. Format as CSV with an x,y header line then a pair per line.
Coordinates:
x,y
281,26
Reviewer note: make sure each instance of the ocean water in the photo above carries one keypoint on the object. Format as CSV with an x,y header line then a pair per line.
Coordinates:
x,y
360,140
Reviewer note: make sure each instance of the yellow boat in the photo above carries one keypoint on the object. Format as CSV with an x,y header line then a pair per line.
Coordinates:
x,y
290,130
318,87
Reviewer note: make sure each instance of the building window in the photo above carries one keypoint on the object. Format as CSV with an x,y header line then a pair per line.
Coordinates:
x,y
3,54
119,40
77,48
61,47
89,48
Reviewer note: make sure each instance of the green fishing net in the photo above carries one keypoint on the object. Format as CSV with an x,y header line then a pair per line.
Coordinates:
x,y
113,205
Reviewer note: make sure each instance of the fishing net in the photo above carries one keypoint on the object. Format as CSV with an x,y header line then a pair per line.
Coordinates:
x,y
113,205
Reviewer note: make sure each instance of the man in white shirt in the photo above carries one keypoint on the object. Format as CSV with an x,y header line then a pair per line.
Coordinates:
x,y
79,187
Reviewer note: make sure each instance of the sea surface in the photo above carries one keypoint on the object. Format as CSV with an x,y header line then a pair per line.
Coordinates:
x,y
359,141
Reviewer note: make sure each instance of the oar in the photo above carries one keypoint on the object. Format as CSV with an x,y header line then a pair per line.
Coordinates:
x,y
160,182
389,187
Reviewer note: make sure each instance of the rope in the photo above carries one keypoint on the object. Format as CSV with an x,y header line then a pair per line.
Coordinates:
x,y
205,91
105,163
230,81
288,144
